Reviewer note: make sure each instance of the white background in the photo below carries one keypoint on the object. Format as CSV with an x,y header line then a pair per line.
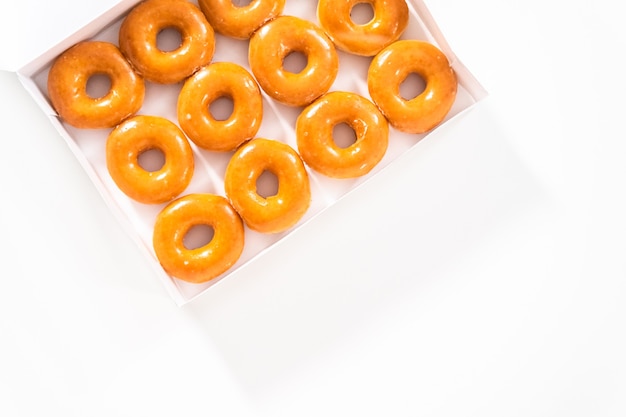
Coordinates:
x,y
483,274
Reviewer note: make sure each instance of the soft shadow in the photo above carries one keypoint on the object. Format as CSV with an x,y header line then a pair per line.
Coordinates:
x,y
308,296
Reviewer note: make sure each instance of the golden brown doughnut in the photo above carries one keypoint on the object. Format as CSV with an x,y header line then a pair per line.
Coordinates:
x,y
276,40
278,212
391,18
140,134
138,39
222,79
314,133
240,22
67,86
391,67
197,265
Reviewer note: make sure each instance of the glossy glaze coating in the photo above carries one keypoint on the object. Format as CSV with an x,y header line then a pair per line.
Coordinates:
x,y
210,260
390,19
392,66
314,132
240,22
275,213
67,86
274,41
222,79
137,135
138,39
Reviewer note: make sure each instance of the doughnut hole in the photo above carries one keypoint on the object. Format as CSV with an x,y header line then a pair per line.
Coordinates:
x,y
98,86
169,39
362,13
222,108
241,3
267,184
412,86
343,135
151,160
295,62
198,236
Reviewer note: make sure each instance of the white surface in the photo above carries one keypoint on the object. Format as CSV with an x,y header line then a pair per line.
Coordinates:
x,y
482,275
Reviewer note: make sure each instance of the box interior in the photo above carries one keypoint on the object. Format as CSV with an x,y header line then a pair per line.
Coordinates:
x,y
278,123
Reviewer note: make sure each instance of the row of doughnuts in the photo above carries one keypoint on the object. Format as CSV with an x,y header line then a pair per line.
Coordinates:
x,y
269,46
272,37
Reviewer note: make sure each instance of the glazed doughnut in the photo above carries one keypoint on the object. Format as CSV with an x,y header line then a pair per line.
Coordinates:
x,y
214,81
274,41
198,265
391,18
391,67
314,133
240,22
140,134
67,86
278,212
138,39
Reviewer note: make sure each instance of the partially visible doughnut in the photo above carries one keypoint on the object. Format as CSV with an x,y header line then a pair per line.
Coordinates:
x,y
393,65
67,86
138,39
314,133
390,19
274,41
202,264
240,22
271,214
140,134
221,79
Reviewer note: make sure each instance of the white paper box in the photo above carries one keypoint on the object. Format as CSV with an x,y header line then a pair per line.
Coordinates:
x,y
278,123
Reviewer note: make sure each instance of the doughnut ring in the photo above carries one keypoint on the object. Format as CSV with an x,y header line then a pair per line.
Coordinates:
x,y
271,44
391,67
222,79
391,18
314,133
204,263
240,22
138,39
67,86
274,213
140,134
